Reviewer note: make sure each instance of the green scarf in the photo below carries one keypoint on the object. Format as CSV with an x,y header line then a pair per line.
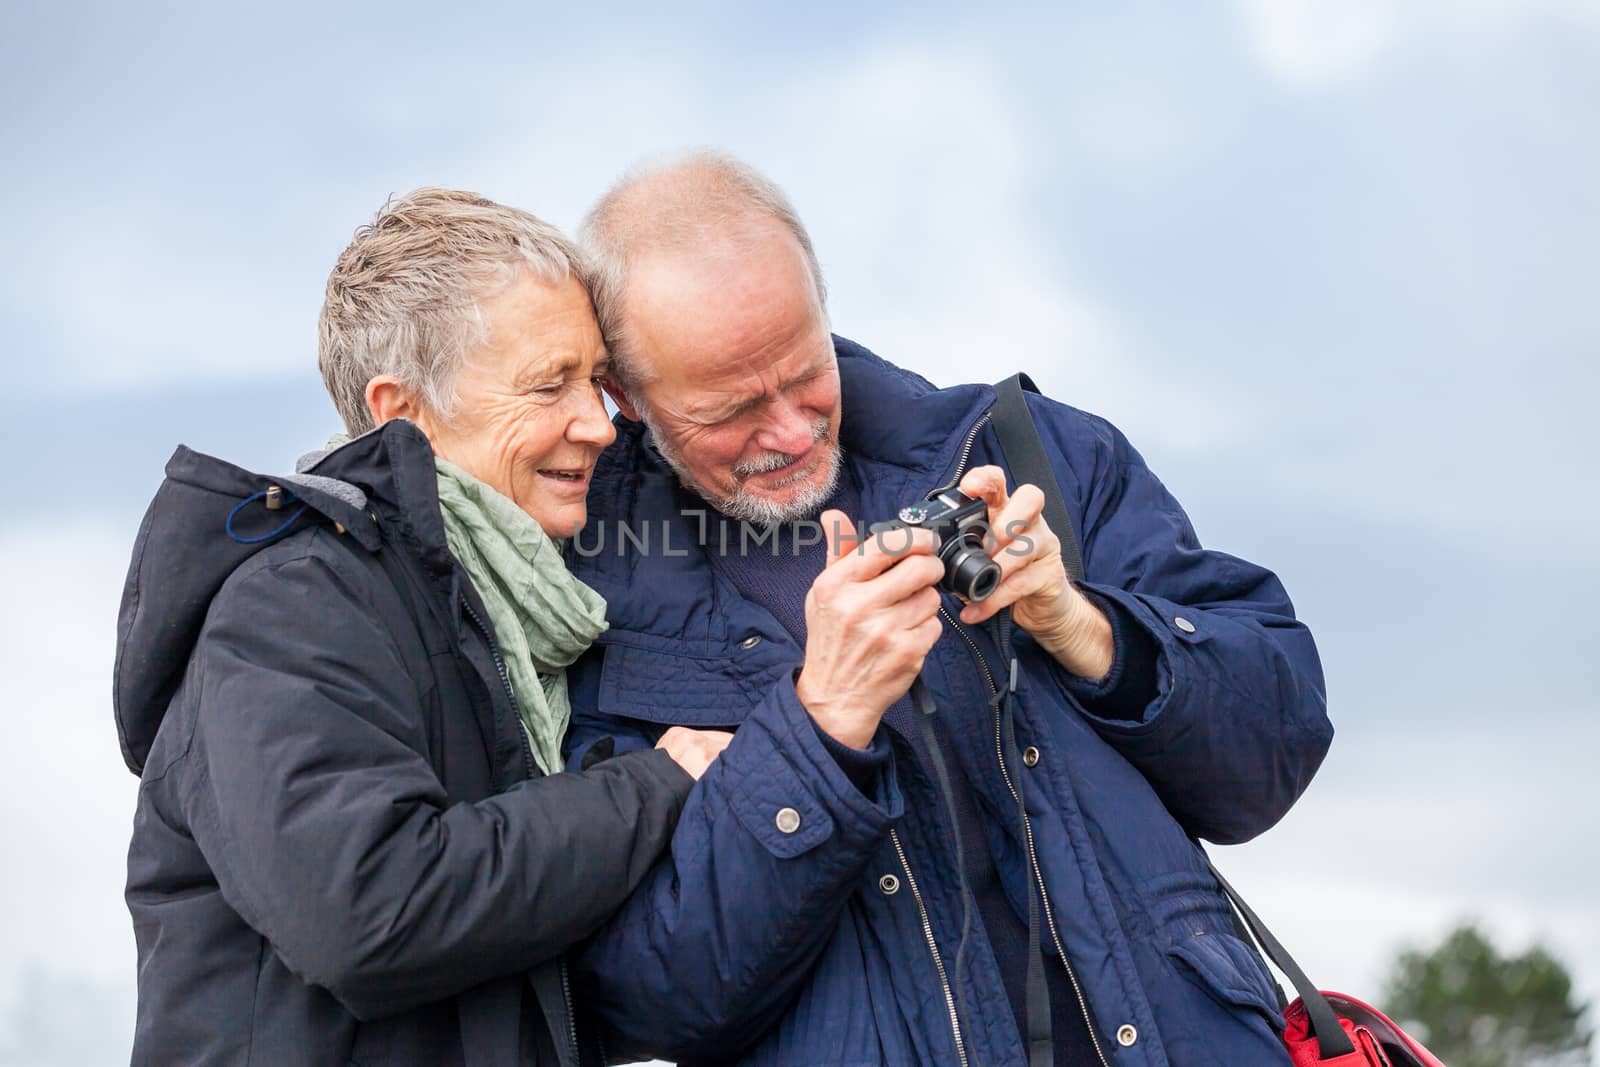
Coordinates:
x,y
543,617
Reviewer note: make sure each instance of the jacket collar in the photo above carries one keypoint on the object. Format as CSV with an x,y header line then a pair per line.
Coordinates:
x,y
392,466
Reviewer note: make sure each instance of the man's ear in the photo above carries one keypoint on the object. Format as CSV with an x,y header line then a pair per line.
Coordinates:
x,y
618,395
388,398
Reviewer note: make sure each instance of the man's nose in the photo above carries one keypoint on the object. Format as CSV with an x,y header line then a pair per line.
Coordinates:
x,y
787,429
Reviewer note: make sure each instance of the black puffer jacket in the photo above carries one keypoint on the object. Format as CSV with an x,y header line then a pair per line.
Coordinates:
x,y
341,853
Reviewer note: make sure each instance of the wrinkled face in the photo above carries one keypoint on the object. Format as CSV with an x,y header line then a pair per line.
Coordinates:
x,y
742,388
530,421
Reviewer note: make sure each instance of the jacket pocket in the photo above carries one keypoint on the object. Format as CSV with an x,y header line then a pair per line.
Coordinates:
x,y
1230,972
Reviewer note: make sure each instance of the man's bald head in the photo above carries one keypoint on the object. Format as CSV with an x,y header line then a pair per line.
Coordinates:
x,y
711,302
701,205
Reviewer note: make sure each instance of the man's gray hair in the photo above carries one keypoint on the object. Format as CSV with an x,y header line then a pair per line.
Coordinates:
x,y
403,297
668,205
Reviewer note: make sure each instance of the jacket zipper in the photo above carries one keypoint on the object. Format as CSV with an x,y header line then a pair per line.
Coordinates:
x,y
527,766
572,1014
1027,833
966,452
938,963
505,680
999,751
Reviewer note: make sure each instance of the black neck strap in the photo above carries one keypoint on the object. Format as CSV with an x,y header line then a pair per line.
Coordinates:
x,y
1030,464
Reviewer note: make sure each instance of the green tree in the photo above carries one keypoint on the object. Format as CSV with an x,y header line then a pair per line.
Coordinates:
x,y
1475,1008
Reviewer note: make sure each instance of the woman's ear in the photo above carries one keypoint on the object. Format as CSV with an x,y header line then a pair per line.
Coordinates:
x,y
388,398
618,395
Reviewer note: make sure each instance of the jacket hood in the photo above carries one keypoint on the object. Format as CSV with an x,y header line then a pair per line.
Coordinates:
x,y
208,517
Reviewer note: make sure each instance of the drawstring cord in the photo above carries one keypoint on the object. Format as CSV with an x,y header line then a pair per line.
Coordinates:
x,y
251,499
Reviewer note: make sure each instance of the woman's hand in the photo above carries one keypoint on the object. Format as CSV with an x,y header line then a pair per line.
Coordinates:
x,y
693,750
1034,582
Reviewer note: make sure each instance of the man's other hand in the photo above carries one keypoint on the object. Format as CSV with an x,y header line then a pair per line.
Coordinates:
x,y
1034,582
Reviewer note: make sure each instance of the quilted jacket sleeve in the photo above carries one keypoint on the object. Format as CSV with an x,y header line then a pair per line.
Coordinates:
x,y
330,834
707,953
1238,722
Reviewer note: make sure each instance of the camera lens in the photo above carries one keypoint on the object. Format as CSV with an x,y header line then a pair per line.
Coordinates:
x,y
969,572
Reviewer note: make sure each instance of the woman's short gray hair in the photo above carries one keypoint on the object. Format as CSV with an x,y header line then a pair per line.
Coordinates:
x,y
403,298
667,205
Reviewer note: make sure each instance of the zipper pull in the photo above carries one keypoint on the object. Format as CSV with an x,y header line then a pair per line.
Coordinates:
x,y
1003,693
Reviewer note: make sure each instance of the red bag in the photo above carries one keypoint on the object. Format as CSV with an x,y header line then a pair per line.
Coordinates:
x,y
1375,1037
1323,1029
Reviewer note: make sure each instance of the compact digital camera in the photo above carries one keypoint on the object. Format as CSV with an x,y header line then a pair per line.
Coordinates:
x,y
962,525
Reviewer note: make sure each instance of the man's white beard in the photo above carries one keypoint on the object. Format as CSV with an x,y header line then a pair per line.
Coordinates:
x,y
748,507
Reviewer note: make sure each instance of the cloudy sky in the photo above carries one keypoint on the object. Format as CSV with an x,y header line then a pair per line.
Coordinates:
x,y
1324,263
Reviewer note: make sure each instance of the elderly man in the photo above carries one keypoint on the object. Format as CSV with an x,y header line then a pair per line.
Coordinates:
x,y
817,907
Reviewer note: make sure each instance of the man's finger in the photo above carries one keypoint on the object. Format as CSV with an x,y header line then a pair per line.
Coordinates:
x,y
1008,592
841,535
906,578
879,551
1023,515
988,484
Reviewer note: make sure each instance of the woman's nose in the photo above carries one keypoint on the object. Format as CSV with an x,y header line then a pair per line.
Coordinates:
x,y
590,425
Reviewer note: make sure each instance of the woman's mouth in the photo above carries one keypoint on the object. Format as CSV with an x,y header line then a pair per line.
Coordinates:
x,y
572,477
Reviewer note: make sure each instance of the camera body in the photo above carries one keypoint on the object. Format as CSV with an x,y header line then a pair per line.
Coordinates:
x,y
961,523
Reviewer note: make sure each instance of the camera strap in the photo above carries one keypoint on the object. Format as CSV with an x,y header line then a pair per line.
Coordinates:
x,y
1040,1038
1026,460
1029,464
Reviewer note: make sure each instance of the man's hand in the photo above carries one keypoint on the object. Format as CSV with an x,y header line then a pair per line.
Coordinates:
x,y
1034,582
872,616
694,749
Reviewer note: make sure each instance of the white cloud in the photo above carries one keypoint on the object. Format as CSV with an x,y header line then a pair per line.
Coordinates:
x,y
918,198
59,1018
66,796
1316,42
1312,44
158,301
910,164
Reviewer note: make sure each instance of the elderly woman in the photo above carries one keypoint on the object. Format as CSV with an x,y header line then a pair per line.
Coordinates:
x,y
344,692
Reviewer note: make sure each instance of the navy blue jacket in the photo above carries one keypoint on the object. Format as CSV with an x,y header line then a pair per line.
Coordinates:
x,y
833,943
342,852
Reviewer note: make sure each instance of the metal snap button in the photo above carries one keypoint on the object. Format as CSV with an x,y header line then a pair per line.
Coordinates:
x,y
1183,624
1030,757
750,642
889,884
1127,1035
788,820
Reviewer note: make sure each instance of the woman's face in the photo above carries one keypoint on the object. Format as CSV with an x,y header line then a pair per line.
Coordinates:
x,y
530,421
